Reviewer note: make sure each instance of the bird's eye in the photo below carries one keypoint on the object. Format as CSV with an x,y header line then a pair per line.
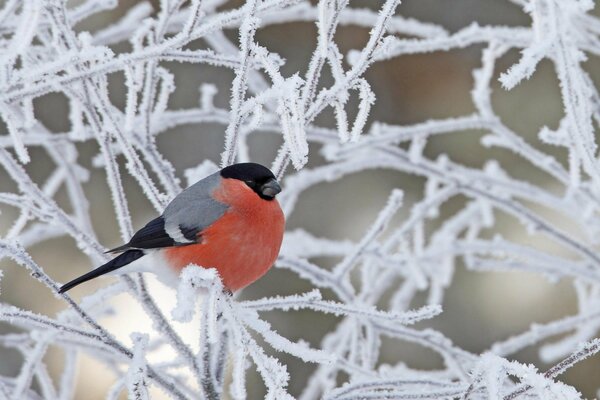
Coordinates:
x,y
250,183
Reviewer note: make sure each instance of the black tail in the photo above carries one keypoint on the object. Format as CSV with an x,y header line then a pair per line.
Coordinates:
x,y
116,263
119,249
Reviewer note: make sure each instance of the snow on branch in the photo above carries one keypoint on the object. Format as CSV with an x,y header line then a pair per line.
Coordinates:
x,y
384,286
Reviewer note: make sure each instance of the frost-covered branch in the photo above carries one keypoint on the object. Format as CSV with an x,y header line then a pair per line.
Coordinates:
x,y
385,284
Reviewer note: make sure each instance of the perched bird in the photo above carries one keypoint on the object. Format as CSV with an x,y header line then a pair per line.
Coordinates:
x,y
229,220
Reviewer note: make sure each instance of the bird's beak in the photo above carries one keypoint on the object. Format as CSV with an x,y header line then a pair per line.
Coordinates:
x,y
270,188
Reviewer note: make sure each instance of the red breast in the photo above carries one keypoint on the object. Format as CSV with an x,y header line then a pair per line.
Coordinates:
x,y
243,244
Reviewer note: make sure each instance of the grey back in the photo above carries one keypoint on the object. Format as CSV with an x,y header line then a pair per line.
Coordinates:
x,y
195,208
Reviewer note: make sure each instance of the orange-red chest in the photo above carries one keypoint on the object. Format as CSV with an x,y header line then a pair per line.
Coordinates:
x,y
243,244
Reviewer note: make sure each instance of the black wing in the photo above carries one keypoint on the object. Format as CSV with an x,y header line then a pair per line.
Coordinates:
x,y
154,236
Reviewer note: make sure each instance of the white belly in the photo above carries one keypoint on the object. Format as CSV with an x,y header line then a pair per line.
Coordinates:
x,y
154,262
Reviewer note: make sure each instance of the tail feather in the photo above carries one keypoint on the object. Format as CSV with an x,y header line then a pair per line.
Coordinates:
x,y
116,263
119,249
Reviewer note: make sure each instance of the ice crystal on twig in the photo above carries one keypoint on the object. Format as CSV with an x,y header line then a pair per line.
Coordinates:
x,y
377,277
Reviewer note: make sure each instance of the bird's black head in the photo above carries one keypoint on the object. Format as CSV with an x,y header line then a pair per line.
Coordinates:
x,y
258,178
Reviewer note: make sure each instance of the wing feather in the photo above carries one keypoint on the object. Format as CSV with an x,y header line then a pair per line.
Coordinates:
x,y
183,221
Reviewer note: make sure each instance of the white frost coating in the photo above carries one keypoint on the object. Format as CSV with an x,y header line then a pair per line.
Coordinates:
x,y
300,350
137,373
238,384
379,275
313,301
299,243
292,123
207,95
367,99
16,132
191,280
239,85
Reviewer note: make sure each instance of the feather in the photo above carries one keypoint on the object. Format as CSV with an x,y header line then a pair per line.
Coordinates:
x,y
117,262
192,211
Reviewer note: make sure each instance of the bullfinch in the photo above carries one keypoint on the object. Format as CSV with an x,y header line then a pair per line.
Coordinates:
x,y
229,221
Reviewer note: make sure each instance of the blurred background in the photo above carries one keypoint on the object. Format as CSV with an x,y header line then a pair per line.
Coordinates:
x,y
479,308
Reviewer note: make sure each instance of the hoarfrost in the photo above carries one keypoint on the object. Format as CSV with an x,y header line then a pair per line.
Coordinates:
x,y
377,277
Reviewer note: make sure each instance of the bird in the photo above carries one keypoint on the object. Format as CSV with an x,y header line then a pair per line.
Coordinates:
x,y
230,221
